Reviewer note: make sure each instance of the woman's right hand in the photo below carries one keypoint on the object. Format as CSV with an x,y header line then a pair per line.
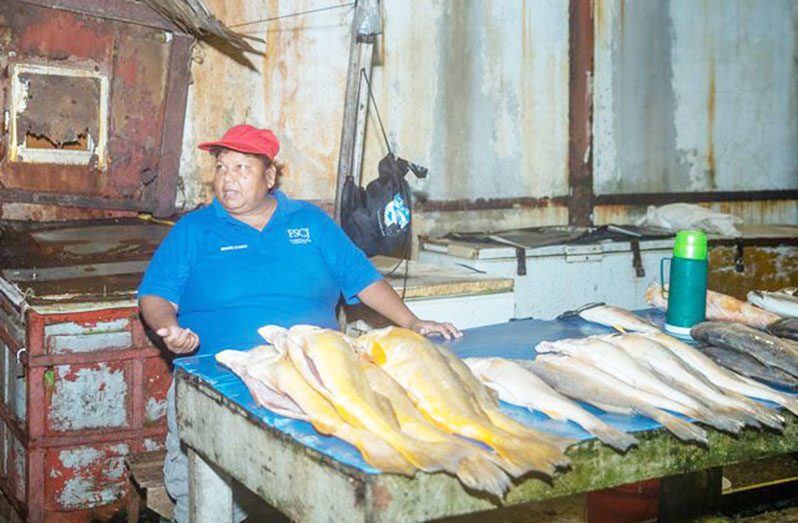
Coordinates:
x,y
178,339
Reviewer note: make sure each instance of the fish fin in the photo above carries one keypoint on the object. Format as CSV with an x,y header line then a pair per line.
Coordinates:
x,y
376,451
272,332
479,472
613,437
684,430
619,329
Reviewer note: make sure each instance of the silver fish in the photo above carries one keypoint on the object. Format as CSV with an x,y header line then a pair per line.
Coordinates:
x,y
581,381
674,371
520,386
769,350
618,363
783,302
724,378
617,318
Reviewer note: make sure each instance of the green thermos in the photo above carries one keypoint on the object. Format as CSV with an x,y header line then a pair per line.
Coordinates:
x,y
687,287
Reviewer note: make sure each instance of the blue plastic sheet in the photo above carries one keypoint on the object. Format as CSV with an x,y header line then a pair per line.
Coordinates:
x,y
515,339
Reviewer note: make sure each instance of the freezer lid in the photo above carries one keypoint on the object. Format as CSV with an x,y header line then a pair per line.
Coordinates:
x,y
100,260
547,241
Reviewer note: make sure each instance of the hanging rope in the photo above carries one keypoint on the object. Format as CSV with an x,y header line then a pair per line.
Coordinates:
x,y
272,18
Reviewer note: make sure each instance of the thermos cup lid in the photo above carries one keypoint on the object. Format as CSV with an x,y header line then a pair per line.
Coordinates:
x,y
691,245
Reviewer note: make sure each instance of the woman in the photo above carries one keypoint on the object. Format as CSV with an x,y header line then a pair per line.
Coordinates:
x,y
253,257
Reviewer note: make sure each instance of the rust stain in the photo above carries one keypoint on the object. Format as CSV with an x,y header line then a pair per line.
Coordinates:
x,y
766,268
382,498
711,127
60,109
623,14
61,35
50,213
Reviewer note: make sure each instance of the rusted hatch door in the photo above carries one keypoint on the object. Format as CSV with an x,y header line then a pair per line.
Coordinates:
x,y
93,104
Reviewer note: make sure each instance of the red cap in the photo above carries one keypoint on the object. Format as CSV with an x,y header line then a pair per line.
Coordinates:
x,y
247,139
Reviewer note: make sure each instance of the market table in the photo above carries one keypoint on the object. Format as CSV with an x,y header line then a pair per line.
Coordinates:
x,y
310,477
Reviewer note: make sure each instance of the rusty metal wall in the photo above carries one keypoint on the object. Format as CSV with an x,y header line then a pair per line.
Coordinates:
x,y
695,96
476,91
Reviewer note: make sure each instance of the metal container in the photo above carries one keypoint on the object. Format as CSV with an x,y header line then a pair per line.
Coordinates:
x,y
81,385
554,278
93,98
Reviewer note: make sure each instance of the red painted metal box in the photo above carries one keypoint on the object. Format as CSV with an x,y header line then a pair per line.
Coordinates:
x,y
81,385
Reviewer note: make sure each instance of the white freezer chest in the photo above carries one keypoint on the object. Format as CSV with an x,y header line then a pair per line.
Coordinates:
x,y
559,277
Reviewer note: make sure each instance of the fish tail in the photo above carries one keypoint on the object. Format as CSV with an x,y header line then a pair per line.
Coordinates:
x,y
376,452
719,420
765,416
684,430
613,437
479,472
790,404
523,455
516,428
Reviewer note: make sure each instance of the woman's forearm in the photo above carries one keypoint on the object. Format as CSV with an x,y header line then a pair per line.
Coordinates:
x,y
383,298
158,312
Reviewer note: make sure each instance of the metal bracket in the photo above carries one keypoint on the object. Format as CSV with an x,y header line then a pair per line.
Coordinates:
x,y
637,260
583,253
739,265
20,366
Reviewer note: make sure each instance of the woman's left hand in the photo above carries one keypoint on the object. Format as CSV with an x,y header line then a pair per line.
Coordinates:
x,y
445,329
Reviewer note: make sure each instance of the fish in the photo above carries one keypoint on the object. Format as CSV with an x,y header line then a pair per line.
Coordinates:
x,y
747,365
720,307
619,364
617,318
767,349
785,328
673,370
722,378
520,386
275,384
324,358
477,468
783,302
581,381
423,370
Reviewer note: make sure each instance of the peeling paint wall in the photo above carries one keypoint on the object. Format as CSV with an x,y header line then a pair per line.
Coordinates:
x,y
695,96
476,91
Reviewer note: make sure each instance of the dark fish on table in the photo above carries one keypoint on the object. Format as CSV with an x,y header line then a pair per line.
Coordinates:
x,y
785,328
746,365
767,349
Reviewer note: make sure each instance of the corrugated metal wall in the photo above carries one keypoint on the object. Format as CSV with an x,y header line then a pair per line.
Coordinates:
x,y
689,96
696,96
476,91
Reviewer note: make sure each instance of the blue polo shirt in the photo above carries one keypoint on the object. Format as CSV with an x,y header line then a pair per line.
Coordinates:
x,y
229,279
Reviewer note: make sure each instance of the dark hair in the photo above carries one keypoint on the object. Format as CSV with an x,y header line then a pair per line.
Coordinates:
x,y
267,162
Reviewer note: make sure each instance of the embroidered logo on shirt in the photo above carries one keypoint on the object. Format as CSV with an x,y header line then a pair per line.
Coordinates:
x,y
296,236
234,247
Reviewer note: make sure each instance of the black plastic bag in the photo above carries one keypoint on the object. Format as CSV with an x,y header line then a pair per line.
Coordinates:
x,y
377,218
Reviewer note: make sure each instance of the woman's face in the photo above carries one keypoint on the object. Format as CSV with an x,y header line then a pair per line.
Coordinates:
x,y
241,181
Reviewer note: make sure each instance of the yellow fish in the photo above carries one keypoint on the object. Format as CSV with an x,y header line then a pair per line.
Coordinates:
x,y
473,465
444,390
331,367
275,383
